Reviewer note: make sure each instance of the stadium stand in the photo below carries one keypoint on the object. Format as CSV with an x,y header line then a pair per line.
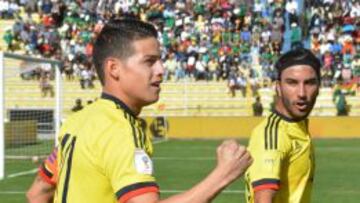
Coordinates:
x,y
242,44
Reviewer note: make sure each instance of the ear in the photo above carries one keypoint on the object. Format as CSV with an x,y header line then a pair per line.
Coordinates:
x,y
112,67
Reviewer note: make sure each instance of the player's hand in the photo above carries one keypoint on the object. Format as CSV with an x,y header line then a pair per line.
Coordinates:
x,y
232,160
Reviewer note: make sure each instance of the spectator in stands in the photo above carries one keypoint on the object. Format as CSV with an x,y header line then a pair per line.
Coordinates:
x,y
78,105
292,8
296,38
8,9
278,20
13,9
257,107
86,77
340,103
30,7
68,70
212,66
4,7
180,71
237,81
45,85
227,31
8,38
254,82
80,21
170,65
355,66
201,68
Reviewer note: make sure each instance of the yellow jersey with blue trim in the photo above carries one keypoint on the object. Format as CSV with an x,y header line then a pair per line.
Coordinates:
x,y
104,155
283,160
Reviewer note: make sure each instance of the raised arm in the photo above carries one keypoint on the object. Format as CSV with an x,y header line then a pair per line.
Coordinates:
x,y
232,161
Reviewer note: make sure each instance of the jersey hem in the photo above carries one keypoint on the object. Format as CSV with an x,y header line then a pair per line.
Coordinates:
x,y
136,189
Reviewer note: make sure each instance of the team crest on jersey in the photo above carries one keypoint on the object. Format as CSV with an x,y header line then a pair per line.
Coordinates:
x,y
143,163
296,146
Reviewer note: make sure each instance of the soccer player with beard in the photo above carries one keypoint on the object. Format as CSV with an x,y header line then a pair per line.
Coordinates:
x,y
281,146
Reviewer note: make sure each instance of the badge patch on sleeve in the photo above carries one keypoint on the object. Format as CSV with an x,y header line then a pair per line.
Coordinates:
x,y
143,163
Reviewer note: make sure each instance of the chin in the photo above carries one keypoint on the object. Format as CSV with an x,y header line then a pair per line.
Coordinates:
x,y
300,115
151,100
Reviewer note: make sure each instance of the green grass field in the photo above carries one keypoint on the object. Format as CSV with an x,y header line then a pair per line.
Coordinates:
x,y
180,164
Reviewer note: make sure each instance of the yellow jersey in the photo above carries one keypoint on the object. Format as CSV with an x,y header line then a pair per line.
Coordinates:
x,y
283,160
103,155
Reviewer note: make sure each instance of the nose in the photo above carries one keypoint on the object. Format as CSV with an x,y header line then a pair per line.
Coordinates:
x,y
302,91
159,68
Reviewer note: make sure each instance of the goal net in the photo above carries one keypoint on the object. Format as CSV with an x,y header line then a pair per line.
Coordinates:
x,y
29,111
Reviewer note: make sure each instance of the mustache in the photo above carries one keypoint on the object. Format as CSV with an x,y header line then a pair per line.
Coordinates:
x,y
309,103
302,102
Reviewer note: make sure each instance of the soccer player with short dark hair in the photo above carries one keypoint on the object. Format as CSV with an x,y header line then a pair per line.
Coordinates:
x,y
103,153
283,168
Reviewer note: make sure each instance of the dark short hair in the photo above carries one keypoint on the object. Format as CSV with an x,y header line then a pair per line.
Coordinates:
x,y
298,56
115,40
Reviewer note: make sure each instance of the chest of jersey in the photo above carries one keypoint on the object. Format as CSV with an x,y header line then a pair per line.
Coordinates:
x,y
299,165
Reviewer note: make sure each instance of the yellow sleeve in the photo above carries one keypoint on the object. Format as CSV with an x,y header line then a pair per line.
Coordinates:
x,y
129,169
265,172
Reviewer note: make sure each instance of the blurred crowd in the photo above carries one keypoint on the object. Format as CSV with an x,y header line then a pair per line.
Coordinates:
x,y
334,30
237,41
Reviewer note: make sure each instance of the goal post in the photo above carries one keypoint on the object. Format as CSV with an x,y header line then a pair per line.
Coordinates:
x,y
30,109
2,136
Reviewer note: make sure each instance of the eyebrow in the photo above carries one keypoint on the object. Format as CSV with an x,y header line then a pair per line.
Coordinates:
x,y
312,80
306,80
152,56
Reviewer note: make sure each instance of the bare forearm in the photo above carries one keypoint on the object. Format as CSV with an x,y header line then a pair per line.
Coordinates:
x,y
40,192
265,196
263,201
233,160
44,198
203,192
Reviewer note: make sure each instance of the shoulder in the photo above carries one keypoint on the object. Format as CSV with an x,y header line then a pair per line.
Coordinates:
x,y
269,134
98,118
264,125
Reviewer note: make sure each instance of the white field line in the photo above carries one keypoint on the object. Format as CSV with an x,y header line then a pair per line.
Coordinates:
x,y
161,191
223,192
316,148
11,192
335,149
180,191
22,173
23,157
184,158
33,171
347,149
160,141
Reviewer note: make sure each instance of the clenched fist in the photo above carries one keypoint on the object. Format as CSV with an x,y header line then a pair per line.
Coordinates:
x,y
232,160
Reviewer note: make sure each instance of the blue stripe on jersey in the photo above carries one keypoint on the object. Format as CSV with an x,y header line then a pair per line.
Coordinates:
x,y
265,181
135,186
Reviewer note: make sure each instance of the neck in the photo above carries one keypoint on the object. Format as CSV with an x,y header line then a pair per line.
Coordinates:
x,y
280,108
282,112
135,109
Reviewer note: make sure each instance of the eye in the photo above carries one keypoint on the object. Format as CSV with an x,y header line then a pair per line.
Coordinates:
x,y
150,61
291,82
311,82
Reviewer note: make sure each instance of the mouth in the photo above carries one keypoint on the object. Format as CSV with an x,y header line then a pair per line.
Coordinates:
x,y
156,84
302,105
